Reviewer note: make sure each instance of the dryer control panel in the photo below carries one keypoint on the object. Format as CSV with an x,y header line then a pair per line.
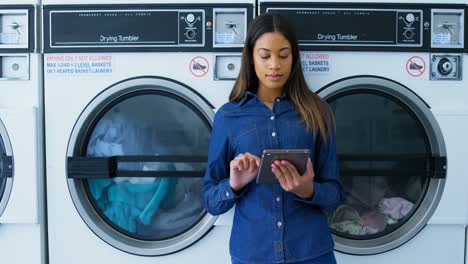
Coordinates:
x,y
409,28
133,27
157,27
375,26
191,25
356,27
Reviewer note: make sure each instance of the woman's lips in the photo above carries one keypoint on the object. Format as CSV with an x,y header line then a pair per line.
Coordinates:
x,y
274,77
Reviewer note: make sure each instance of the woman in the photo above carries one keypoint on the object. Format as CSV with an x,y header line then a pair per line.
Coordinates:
x,y
271,107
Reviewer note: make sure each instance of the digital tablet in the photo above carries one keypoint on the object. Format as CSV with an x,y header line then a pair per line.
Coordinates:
x,y
298,157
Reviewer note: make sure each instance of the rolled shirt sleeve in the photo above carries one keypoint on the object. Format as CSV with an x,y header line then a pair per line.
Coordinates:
x,y
218,196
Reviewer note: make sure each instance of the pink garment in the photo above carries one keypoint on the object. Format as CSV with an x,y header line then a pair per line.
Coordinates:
x,y
396,207
373,222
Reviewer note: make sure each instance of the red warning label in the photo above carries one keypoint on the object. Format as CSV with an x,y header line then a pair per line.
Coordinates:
x,y
415,66
199,66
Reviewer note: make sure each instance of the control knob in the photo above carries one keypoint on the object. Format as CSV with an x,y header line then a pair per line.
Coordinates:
x,y
409,18
409,34
190,18
444,67
190,34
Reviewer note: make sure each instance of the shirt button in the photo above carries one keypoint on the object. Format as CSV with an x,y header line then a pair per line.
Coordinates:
x,y
278,199
279,224
273,134
227,194
272,117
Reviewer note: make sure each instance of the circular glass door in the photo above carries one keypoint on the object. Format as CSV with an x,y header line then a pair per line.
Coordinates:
x,y
392,164
136,159
6,168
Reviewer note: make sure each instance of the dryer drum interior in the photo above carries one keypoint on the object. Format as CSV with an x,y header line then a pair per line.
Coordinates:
x,y
135,166
392,164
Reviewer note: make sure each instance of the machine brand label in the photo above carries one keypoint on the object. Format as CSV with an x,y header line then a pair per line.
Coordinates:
x,y
337,37
119,39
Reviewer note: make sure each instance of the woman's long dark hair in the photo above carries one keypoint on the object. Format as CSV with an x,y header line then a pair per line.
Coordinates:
x,y
314,111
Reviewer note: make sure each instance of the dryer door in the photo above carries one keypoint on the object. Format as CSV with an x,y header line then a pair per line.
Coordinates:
x,y
6,168
136,158
392,164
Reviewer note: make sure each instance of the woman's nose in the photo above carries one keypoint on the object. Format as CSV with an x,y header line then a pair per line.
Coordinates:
x,y
275,63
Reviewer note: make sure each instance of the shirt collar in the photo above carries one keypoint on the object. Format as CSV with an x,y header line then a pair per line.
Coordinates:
x,y
250,94
247,95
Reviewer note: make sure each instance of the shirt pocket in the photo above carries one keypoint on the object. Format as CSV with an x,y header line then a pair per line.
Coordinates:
x,y
247,141
298,135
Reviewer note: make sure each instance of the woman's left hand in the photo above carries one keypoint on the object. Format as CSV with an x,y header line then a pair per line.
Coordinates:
x,y
291,181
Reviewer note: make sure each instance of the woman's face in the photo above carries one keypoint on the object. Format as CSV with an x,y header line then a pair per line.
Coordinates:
x,y
272,57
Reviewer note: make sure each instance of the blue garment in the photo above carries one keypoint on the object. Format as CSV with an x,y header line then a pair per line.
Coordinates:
x,y
127,203
328,258
270,225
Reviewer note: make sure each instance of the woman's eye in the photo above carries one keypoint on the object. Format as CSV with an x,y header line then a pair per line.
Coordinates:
x,y
264,57
284,56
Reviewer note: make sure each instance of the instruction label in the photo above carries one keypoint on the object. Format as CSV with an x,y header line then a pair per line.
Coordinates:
x,y
9,38
441,38
315,63
79,64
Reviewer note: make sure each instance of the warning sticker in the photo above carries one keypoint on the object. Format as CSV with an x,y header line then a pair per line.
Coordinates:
x,y
315,63
79,64
199,66
415,66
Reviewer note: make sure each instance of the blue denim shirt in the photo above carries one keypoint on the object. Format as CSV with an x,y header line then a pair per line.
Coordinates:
x,y
270,225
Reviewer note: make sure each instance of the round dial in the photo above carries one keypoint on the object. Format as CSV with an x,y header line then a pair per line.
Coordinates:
x,y
409,18
190,18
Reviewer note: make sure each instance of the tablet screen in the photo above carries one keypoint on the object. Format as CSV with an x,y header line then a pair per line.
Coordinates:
x,y
298,157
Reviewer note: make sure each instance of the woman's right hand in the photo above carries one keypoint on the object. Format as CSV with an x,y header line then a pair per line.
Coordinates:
x,y
243,169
